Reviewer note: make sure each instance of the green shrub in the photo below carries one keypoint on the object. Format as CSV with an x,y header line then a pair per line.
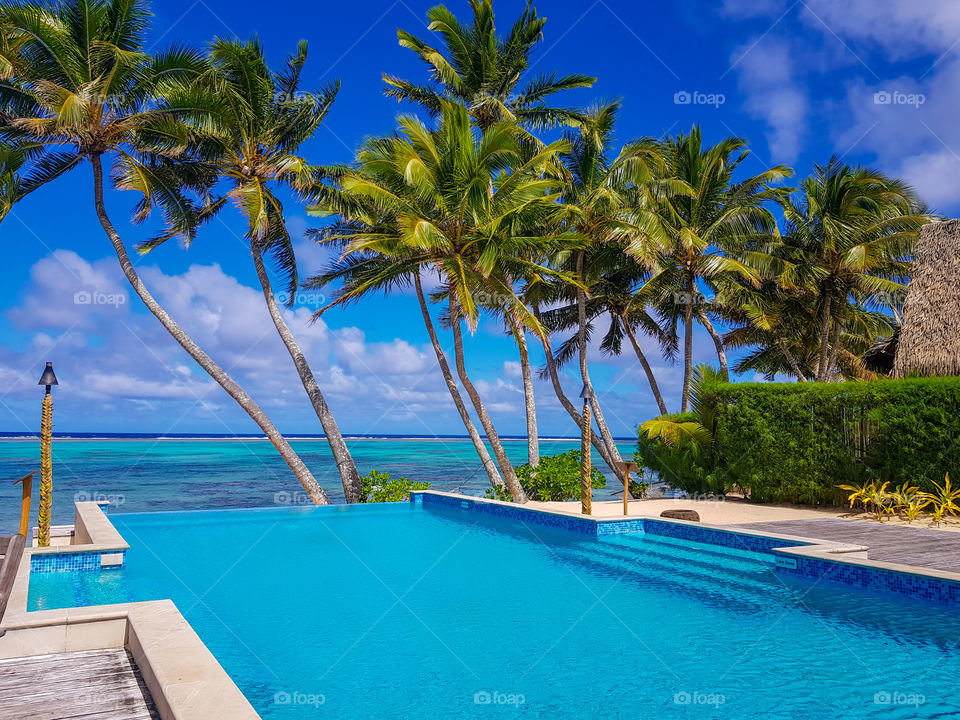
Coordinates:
x,y
377,487
795,442
557,477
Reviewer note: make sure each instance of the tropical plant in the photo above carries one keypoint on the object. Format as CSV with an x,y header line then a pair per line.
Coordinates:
x,y
83,89
849,238
710,227
858,494
945,501
377,487
682,448
449,201
485,72
556,478
872,497
250,123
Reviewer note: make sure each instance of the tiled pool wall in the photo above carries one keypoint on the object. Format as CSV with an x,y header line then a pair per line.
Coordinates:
x,y
923,587
76,561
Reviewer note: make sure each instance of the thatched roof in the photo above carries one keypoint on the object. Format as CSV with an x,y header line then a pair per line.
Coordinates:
x,y
930,335
879,358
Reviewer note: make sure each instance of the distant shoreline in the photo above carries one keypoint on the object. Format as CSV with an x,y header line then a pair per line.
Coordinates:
x,y
200,437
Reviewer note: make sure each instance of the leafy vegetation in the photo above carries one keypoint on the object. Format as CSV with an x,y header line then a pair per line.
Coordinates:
x,y
556,478
377,487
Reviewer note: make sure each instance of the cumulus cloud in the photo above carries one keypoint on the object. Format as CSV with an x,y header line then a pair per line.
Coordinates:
x,y
884,84
120,370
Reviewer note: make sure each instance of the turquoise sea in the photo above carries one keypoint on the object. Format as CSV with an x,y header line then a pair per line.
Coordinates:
x,y
143,474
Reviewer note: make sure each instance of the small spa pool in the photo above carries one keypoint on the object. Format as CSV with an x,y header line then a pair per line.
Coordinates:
x,y
409,611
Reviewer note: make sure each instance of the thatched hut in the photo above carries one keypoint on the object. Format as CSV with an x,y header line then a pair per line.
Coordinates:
x,y
930,334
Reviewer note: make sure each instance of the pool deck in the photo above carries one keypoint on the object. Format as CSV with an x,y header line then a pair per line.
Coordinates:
x,y
932,549
94,685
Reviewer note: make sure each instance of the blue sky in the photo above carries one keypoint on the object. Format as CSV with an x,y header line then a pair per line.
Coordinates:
x,y
874,81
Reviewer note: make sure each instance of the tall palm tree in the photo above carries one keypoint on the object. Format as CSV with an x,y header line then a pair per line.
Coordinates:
x,y
604,204
452,201
710,226
250,123
484,71
83,89
849,237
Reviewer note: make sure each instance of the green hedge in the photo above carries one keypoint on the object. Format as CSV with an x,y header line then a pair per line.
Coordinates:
x,y
795,442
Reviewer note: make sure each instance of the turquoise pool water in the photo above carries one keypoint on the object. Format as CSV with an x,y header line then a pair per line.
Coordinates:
x,y
397,611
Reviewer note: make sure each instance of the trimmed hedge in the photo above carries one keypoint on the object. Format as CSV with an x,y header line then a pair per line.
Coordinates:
x,y
796,442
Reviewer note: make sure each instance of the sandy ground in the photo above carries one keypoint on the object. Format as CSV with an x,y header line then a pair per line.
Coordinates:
x,y
733,511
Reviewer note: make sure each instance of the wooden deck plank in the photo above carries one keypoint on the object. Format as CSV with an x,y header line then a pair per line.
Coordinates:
x,y
92,685
926,548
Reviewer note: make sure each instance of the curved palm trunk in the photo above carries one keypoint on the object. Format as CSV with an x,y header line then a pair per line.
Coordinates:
x,y
718,342
297,465
488,464
794,365
584,372
571,410
825,332
506,467
349,477
651,378
687,347
529,401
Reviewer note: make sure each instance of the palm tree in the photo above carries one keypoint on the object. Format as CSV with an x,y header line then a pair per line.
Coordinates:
x,y
849,237
250,123
83,90
485,72
452,201
709,225
604,204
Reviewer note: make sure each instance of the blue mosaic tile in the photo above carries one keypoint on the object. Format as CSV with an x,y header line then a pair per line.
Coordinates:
x,y
922,587
68,561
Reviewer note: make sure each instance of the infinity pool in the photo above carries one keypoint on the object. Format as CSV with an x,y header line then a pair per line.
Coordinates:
x,y
400,611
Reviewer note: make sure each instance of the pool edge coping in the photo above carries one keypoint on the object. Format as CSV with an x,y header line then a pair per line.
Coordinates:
x,y
185,679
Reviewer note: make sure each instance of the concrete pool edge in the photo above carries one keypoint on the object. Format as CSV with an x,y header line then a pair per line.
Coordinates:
x,y
813,558
184,678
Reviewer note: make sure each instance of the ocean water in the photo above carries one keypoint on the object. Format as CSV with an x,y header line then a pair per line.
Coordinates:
x,y
139,474
395,611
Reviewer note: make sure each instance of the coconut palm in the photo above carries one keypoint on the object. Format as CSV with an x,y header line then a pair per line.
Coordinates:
x,y
250,123
710,227
485,72
849,237
83,89
605,204
452,201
